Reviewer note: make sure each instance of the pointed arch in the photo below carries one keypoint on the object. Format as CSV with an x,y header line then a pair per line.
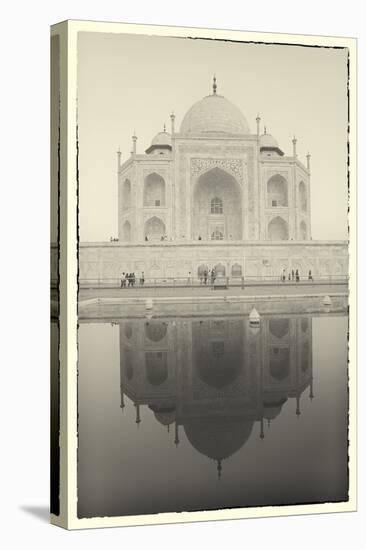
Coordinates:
x,y
277,191
303,231
217,203
302,196
154,228
126,231
126,195
277,229
236,270
154,190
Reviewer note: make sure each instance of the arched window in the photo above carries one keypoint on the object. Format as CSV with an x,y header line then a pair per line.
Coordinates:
x,y
220,270
303,231
277,229
126,195
277,191
126,231
154,228
154,190
216,206
302,196
236,270
217,235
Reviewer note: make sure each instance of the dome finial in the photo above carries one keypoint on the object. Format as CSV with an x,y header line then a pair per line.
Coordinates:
x,y
164,128
214,85
219,469
265,129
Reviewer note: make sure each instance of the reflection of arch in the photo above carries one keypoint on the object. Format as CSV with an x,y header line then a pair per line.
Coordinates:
x,y
302,196
126,195
304,324
201,270
279,327
236,270
156,367
220,270
279,363
155,331
126,231
128,330
154,190
305,357
303,230
277,229
217,353
154,228
128,365
277,191
212,190
216,206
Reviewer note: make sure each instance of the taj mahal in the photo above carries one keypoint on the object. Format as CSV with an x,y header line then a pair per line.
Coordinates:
x,y
213,194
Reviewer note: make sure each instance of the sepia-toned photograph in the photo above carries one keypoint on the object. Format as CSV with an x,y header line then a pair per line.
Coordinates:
x,y
213,274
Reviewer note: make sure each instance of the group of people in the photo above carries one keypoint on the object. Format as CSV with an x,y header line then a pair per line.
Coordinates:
x,y
113,239
129,279
208,275
294,275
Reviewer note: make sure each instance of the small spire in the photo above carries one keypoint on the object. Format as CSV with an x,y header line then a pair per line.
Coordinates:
x,y
265,129
214,85
172,119
164,128
262,430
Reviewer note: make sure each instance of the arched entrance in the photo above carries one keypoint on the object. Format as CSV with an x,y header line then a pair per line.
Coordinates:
x,y
126,231
126,195
277,229
277,191
302,196
216,207
154,229
303,231
154,190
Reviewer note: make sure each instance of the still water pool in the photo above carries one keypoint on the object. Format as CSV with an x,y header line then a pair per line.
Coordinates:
x,y
180,414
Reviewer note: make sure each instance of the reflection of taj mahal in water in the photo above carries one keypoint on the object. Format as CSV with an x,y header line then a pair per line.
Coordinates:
x,y
215,378
213,194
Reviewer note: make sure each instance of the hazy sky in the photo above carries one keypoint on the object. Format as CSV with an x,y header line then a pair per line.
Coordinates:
x,y
130,82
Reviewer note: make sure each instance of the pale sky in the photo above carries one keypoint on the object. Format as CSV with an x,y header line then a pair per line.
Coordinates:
x,y
133,82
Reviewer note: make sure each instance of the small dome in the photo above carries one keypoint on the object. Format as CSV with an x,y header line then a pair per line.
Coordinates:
x,y
266,140
162,138
214,113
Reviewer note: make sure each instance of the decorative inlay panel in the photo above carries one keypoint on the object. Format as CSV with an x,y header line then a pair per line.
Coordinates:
x,y
233,166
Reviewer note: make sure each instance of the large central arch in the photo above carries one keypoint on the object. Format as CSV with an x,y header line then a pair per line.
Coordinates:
x,y
216,208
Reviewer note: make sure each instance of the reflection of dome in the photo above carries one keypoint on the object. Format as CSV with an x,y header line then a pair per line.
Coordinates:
x,y
273,409
214,113
218,438
164,414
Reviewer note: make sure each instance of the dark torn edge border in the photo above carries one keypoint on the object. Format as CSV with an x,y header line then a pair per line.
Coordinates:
x,y
254,42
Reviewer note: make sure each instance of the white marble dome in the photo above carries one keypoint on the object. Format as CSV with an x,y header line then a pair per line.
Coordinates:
x,y
162,138
266,140
214,113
